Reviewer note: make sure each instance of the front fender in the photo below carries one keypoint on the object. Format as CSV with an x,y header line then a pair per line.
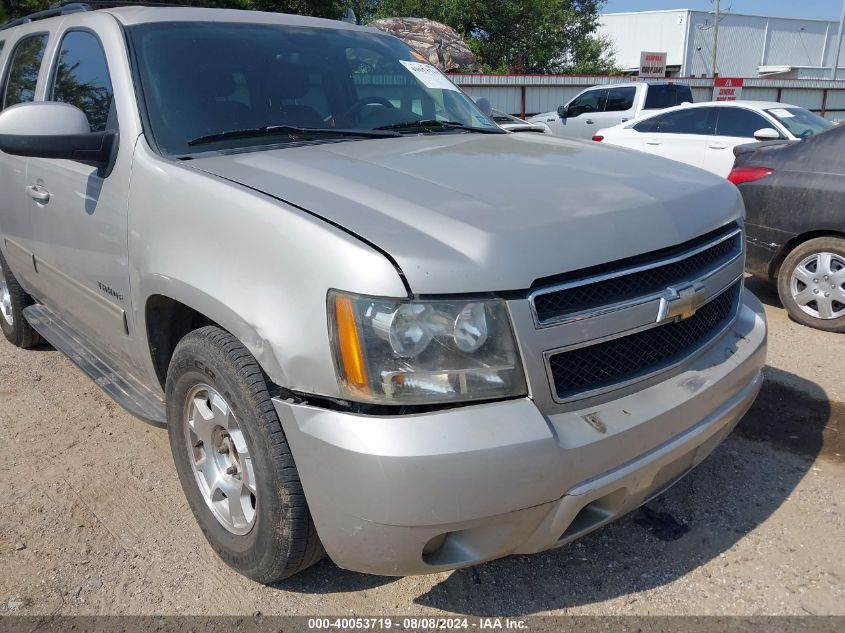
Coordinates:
x,y
254,265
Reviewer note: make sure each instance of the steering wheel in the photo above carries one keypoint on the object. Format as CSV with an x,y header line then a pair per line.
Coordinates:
x,y
806,134
354,112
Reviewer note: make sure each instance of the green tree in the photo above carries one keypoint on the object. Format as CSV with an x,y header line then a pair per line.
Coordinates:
x,y
519,36
10,9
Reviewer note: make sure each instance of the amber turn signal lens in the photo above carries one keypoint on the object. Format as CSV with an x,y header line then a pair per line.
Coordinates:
x,y
349,341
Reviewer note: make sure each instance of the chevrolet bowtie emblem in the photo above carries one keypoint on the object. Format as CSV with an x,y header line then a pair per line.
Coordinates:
x,y
687,302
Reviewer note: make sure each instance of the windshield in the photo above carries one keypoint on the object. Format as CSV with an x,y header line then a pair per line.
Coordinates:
x,y
800,122
205,81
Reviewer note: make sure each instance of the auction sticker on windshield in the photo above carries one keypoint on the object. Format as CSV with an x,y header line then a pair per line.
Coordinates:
x,y
429,75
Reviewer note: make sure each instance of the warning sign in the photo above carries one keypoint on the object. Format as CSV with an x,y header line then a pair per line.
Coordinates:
x,y
727,89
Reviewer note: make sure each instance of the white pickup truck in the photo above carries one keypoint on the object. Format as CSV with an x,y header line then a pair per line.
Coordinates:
x,y
608,105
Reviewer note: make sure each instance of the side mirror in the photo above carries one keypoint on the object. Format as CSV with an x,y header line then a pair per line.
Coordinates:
x,y
48,129
563,111
767,134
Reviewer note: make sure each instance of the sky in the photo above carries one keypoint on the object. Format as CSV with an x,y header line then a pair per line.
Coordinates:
x,y
822,9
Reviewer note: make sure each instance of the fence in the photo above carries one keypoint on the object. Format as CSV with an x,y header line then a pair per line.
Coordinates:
x,y
525,95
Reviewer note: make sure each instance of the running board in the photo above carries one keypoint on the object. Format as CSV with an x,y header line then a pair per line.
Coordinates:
x,y
106,372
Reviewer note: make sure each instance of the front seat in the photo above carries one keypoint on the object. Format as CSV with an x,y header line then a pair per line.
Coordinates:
x,y
289,83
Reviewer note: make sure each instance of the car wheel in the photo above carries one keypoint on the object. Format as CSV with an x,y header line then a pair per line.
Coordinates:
x,y
811,284
13,300
233,460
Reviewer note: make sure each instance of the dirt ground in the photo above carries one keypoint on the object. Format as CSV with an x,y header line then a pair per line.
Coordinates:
x,y
94,521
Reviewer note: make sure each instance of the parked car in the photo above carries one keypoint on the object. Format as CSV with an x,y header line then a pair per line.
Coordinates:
x,y
515,124
795,199
705,134
605,106
507,121
373,322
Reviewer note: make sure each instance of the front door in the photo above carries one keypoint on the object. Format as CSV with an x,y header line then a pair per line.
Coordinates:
x,y
581,120
735,126
79,213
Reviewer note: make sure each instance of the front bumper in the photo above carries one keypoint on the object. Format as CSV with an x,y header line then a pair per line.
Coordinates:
x,y
423,493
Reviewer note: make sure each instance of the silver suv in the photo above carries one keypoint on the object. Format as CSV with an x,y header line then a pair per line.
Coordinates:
x,y
375,324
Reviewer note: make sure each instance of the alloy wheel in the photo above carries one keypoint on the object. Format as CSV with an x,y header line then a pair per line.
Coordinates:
x,y
5,298
220,458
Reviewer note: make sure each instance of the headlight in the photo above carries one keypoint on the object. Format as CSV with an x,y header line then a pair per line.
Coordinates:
x,y
394,351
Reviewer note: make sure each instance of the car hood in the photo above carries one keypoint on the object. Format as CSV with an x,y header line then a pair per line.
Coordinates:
x,y
466,213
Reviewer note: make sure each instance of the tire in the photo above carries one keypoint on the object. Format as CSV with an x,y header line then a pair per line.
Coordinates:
x,y
815,271
256,518
13,300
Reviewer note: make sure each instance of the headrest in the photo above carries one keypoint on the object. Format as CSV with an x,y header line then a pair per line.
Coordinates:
x,y
290,81
184,81
216,83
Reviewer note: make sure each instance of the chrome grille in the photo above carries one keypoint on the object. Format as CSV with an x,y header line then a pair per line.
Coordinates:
x,y
659,270
621,360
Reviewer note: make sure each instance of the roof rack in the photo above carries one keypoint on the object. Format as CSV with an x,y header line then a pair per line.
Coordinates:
x,y
65,7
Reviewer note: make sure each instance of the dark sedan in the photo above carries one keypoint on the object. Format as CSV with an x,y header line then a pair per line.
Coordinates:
x,y
795,200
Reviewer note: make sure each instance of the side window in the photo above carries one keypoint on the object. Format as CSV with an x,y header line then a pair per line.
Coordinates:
x,y
739,122
660,96
589,102
81,78
649,125
689,121
620,99
23,70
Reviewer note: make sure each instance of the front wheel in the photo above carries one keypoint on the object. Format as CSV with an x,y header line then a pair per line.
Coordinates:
x,y
811,284
13,300
233,460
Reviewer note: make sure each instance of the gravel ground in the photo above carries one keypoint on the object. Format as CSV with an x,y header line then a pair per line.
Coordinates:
x,y
94,521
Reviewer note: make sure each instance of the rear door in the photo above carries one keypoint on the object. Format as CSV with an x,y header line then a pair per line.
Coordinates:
x,y
735,126
682,135
22,66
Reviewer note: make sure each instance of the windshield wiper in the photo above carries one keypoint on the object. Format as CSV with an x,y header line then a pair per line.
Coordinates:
x,y
428,124
291,131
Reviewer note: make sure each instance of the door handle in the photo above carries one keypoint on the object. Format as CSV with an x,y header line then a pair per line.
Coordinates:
x,y
589,122
38,193
652,142
625,120
717,146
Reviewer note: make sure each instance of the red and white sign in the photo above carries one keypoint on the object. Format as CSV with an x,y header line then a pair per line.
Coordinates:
x,y
652,65
727,88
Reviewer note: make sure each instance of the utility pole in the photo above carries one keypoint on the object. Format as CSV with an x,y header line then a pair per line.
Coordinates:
x,y
838,43
716,36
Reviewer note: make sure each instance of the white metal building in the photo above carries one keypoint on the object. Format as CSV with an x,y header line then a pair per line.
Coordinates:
x,y
749,45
